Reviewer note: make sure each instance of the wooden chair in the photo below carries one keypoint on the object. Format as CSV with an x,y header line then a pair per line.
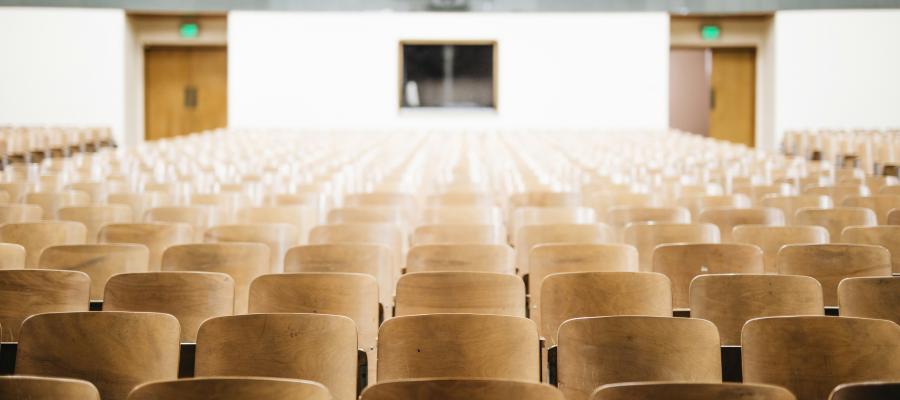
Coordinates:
x,y
866,391
836,219
457,215
811,355
192,297
380,199
459,346
200,218
141,202
36,236
771,238
599,294
757,192
830,263
96,191
881,204
893,217
682,262
243,262
156,236
690,391
530,236
301,217
729,301
227,202
17,387
461,389
384,234
51,202
26,292
369,215
231,388
726,218
544,199
18,213
278,237
526,216
315,347
790,204
838,192
498,258
16,190
349,294
885,236
601,350
12,256
360,258
460,292
876,297
697,204
99,261
553,258
461,199
604,202
645,236
619,217
459,234
115,351
95,217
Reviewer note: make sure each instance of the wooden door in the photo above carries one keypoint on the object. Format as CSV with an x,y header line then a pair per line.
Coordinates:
x,y
733,95
185,90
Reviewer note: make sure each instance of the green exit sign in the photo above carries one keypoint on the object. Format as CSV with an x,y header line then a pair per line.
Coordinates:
x,y
189,30
710,32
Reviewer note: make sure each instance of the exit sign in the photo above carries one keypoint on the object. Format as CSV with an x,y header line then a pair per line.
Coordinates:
x,y
710,32
189,30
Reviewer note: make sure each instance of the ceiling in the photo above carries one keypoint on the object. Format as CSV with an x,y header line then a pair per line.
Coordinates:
x,y
672,6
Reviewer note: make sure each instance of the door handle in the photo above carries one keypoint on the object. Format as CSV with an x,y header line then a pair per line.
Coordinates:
x,y
712,98
190,96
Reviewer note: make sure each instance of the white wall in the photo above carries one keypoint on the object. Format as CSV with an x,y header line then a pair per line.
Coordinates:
x,y
62,66
324,69
837,69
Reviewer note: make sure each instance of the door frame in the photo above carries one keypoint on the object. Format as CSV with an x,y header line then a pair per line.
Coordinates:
x,y
756,31
148,30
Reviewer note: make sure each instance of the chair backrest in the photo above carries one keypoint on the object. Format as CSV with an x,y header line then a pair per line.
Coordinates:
x,y
866,391
15,387
838,192
359,258
836,219
697,204
771,238
599,294
729,301
533,235
619,217
115,351
498,258
645,236
554,258
242,261
886,236
893,217
314,347
461,199
525,216
544,199
16,213
16,190
37,236
601,350
461,215
231,388
140,202
461,389
192,297
278,237
460,292
690,391
368,215
157,236
459,234
384,234
790,204
200,218
830,263
726,218
811,355
681,262
95,217
51,202
876,297
99,261
881,204
26,292
12,256
352,295
458,345
301,217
